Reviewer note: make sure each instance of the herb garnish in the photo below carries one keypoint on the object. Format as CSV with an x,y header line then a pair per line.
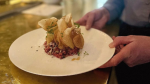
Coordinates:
x,y
49,27
61,34
86,53
77,25
78,53
51,31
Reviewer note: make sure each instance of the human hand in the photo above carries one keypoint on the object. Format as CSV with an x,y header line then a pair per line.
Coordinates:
x,y
96,18
136,51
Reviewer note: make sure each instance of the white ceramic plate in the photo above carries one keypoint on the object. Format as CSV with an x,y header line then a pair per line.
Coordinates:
x,y
27,53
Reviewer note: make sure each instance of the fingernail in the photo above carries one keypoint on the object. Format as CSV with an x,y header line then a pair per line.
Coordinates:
x,y
111,45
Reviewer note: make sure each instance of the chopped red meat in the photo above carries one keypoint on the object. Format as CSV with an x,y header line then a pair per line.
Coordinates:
x,y
53,49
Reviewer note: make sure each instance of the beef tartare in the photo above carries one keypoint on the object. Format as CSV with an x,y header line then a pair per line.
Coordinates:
x,y
53,49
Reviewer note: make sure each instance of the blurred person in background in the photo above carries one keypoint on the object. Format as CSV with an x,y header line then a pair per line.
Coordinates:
x,y
133,60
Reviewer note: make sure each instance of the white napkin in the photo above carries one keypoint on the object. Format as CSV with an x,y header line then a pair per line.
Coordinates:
x,y
43,10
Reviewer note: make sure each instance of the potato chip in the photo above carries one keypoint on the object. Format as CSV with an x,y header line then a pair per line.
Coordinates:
x,y
66,38
54,21
63,17
49,38
51,30
46,24
68,19
78,30
59,39
73,33
62,26
42,22
55,36
78,41
72,23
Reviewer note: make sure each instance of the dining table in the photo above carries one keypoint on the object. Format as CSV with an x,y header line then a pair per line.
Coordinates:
x,y
14,24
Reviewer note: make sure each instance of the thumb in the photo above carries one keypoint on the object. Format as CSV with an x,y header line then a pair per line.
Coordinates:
x,y
119,57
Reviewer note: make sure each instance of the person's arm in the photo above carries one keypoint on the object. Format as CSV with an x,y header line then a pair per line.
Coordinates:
x,y
99,17
115,8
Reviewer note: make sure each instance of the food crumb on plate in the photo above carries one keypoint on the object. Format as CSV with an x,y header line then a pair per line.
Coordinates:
x,y
78,58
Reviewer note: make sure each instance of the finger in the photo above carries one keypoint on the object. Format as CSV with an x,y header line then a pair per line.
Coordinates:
x,y
121,46
82,20
117,49
120,40
89,21
122,55
83,23
113,37
100,23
